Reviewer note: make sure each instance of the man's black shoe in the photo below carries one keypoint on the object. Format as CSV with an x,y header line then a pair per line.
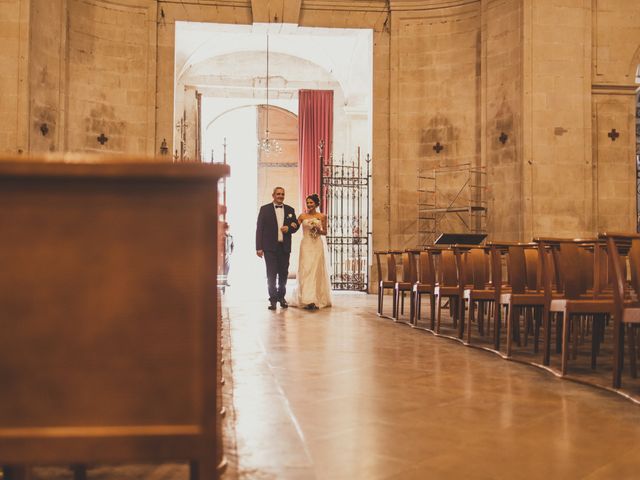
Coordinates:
x,y
272,306
284,304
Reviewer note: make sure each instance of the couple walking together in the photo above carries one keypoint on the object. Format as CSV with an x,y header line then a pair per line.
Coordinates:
x,y
276,223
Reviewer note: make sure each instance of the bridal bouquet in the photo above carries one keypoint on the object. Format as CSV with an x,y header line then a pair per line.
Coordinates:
x,y
316,227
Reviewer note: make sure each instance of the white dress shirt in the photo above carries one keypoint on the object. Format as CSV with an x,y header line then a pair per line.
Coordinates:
x,y
280,220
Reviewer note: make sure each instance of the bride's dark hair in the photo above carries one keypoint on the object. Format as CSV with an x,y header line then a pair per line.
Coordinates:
x,y
315,198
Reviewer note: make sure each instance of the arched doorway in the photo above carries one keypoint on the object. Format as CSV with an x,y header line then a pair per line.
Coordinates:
x,y
233,135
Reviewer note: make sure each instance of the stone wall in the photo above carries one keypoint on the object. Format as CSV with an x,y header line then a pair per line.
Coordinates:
x,y
502,114
14,56
111,76
557,173
556,76
47,76
435,98
616,56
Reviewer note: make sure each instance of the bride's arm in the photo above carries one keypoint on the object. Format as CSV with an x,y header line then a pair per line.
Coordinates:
x,y
323,221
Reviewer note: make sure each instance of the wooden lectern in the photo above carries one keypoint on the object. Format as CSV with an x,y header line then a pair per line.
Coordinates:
x,y
109,342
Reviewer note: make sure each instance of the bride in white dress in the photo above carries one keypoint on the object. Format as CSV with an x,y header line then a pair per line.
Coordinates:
x,y
314,289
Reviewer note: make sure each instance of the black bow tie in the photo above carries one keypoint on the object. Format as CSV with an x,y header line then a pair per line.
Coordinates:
x,y
278,206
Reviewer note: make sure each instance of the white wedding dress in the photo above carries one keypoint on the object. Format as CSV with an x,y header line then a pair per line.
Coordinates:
x,y
313,277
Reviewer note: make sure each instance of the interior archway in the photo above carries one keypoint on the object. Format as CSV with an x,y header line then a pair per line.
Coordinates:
x,y
232,137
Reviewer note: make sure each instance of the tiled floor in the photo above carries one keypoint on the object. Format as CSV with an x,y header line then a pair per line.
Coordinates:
x,y
343,394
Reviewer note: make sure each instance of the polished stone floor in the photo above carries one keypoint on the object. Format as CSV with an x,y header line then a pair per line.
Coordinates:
x,y
343,394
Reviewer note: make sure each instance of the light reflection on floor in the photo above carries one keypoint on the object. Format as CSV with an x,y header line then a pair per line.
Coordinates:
x,y
343,394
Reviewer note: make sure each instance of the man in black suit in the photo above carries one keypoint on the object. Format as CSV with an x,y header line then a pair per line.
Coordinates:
x,y
276,223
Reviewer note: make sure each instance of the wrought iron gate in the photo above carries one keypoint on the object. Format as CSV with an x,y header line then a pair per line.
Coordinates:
x,y
345,191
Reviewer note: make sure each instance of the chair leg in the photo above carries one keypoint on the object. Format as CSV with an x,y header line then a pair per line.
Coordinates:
x,y
79,472
461,309
527,325
546,344
432,310
566,332
618,352
516,325
632,351
497,319
471,319
509,315
412,311
537,320
559,326
16,472
595,340
394,311
577,329
438,312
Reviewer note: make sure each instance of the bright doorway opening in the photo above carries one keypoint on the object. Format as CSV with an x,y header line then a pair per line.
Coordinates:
x,y
220,95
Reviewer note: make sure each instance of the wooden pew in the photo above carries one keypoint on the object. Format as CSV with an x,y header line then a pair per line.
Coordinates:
x,y
110,342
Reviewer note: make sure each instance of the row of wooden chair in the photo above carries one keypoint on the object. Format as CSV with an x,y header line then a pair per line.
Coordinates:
x,y
575,287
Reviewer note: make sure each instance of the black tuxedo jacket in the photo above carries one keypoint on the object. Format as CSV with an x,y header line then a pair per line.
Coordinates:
x,y
267,228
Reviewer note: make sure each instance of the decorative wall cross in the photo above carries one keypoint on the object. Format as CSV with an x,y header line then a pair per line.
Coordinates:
x,y
438,148
613,134
102,139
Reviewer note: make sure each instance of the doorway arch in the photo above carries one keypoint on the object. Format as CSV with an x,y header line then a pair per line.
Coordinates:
x,y
231,135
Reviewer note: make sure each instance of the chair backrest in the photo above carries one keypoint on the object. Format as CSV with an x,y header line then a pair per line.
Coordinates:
x,y
448,272
576,268
379,254
427,269
617,244
409,267
616,267
516,269
546,264
634,265
391,267
496,257
587,270
477,263
531,267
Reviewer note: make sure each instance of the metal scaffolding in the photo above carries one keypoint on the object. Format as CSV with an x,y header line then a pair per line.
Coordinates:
x,y
451,199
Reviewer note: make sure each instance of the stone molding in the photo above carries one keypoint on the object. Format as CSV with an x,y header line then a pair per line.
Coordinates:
x,y
412,5
213,3
343,5
124,5
604,89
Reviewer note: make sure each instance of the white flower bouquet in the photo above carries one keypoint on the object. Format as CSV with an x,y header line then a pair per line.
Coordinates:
x,y
316,227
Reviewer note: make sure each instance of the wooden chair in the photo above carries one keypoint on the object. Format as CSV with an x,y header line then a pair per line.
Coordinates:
x,y
409,278
572,264
449,287
626,318
524,296
388,280
425,286
481,293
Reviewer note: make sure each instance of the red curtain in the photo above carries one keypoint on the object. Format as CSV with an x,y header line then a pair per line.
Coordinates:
x,y
315,124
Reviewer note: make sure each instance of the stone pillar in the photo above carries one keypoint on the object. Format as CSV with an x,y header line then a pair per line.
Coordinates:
x,y
47,76
557,170
502,117
14,78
